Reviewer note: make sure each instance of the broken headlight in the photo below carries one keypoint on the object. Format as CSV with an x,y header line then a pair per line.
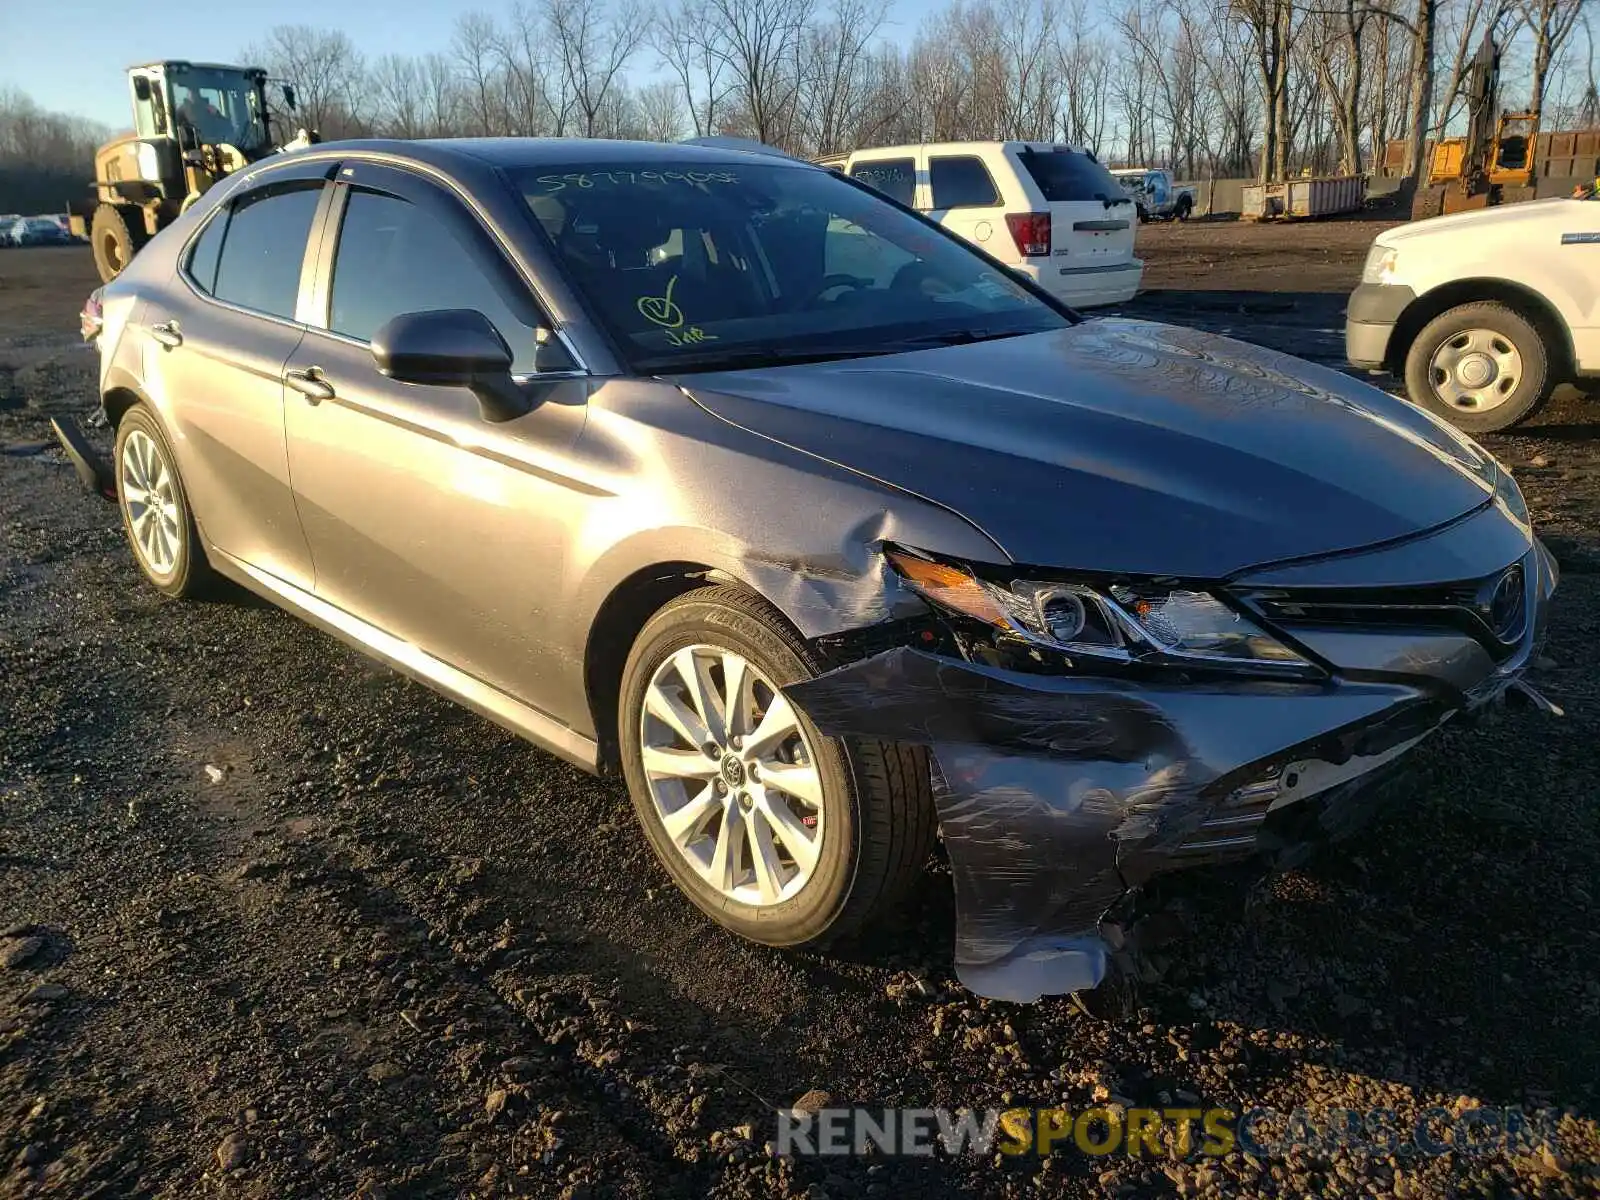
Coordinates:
x,y
1119,622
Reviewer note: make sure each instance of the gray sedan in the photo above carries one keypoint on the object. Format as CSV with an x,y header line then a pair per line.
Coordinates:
x,y
724,474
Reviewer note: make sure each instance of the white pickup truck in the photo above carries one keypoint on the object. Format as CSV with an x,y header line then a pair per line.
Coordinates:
x,y
1156,193
1483,313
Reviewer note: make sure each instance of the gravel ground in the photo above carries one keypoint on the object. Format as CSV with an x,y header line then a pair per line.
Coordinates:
x,y
277,922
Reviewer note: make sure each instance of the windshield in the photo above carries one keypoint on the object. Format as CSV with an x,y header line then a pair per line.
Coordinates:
x,y
221,107
692,269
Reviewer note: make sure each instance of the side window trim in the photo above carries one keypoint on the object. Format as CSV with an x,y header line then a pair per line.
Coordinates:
x,y
309,172
422,192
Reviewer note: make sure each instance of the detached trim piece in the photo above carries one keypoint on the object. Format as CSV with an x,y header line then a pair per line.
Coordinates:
x,y
94,472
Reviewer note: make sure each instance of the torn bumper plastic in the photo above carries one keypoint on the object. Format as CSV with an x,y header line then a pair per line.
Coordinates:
x,y
1057,794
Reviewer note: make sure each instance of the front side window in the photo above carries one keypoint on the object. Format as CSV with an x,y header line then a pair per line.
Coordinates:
x,y
394,258
696,268
264,245
896,178
961,182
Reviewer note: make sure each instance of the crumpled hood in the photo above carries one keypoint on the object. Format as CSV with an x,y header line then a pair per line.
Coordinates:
x,y
1124,446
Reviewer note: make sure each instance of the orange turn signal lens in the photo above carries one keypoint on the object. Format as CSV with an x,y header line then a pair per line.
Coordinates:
x,y
948,586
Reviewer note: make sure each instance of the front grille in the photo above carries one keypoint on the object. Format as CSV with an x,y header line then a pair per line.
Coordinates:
x,y
1492,610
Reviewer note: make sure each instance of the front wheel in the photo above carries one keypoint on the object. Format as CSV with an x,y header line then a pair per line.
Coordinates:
x,y
1482,366
781,834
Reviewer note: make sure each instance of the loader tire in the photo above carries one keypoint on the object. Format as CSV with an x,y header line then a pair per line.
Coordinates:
x,y
115,235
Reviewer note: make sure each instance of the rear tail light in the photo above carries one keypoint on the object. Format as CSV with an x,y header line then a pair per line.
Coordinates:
x,y
92,317
1031,233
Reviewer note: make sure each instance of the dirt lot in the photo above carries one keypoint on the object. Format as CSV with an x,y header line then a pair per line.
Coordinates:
x,y
278,923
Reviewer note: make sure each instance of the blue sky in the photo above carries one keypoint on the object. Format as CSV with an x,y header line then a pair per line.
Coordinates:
x,y
70,58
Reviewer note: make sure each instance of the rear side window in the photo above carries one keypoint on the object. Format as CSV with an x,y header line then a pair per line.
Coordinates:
x,y
207,249
961,182
1064,175
896,178
395,258
265,243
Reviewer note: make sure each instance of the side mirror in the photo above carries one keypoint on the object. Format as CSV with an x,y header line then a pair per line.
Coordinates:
x,y
452,347
141,87
288,97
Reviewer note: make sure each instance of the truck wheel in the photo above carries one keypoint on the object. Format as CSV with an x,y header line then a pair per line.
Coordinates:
x,y
1184,207
776,832
1483,367
114,240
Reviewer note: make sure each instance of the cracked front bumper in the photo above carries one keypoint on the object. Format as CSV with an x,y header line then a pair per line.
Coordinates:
x,y
1057,794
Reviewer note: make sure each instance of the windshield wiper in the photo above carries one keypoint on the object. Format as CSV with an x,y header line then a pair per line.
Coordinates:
x,y
955,337
750,357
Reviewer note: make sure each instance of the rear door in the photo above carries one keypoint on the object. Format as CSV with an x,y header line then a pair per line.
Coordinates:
x,y
1092,218
965,197
215,340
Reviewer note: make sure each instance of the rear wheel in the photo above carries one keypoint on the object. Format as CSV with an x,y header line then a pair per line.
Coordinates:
x,y
155,509
115,238
1483,367
1185,207
781,834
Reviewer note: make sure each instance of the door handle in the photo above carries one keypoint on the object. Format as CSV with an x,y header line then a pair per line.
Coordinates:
x,y
310,384
167,334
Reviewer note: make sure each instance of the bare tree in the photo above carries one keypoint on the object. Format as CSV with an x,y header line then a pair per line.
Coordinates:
x,y
326,71
1338,33
475,50
759,42
1550,22
1421,99
1083,65
1271,27
660,115
689,42
834,87
590,43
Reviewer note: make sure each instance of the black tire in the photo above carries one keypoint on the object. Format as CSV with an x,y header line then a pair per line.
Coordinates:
x,y
190,574
114,238
1530,390
1185,207
878,813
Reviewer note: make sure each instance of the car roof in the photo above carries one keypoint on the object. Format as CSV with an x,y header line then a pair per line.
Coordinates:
x,y
514,152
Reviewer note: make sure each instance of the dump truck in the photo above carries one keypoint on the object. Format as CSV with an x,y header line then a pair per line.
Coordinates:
x,y
193,124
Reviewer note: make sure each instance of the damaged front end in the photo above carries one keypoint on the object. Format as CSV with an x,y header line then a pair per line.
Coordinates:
x,y
1088,734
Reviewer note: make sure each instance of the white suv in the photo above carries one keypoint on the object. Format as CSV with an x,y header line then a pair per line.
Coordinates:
x,y
1483,313
1051,212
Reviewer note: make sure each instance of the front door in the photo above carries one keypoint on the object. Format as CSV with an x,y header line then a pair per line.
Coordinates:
x,y
438,527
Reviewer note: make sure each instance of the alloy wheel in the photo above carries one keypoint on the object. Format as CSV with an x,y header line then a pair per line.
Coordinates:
x,y
732,775
149,493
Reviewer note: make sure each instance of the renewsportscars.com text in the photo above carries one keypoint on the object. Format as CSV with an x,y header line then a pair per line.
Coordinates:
x,y
1162,1132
